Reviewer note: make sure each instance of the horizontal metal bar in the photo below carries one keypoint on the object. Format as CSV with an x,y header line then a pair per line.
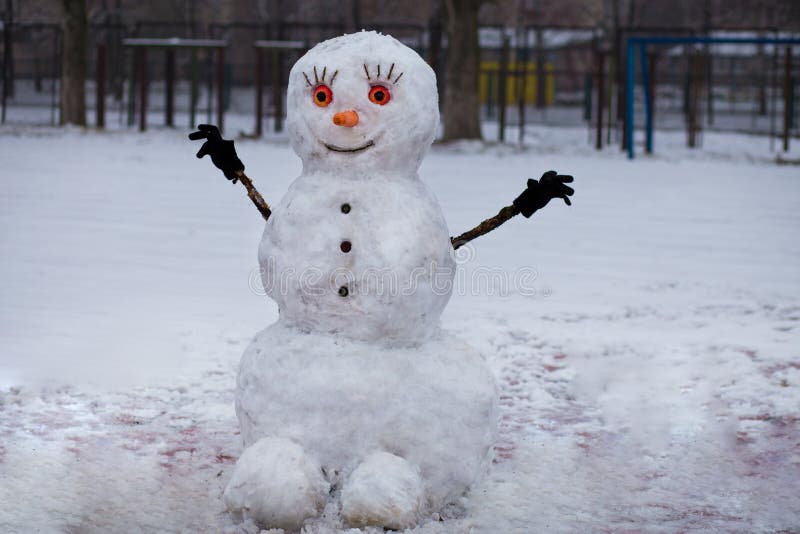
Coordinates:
x,y
286,45
176,42
282,24
713,40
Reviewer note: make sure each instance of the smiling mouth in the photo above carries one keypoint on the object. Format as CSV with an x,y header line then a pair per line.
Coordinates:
x,y
355,149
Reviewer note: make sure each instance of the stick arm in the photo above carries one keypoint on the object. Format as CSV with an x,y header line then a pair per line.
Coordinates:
x,y
485,226
536,196
254,195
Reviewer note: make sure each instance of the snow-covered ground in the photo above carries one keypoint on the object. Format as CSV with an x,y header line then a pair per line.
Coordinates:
x,y
649,371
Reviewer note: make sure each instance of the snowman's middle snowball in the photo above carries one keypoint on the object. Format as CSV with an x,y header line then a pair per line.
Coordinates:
x,y
361,145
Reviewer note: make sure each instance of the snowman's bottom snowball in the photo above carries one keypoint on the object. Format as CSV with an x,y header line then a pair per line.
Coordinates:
x,y
275,483
385,490
433,405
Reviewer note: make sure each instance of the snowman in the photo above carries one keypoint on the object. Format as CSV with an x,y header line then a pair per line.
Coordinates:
x,y
355,405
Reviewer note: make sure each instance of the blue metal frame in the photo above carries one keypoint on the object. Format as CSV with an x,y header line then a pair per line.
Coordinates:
x,y
630,74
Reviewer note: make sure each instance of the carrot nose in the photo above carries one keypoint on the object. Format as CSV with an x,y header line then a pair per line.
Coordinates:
x,y
347,118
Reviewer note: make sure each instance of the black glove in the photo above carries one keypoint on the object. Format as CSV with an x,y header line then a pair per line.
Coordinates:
x,y
551,185
222,153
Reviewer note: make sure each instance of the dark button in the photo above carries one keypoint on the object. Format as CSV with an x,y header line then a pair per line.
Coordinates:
x,y
345,208
343,292
346,246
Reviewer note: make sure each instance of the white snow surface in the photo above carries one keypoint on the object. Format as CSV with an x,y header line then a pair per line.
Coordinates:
x,y
648,372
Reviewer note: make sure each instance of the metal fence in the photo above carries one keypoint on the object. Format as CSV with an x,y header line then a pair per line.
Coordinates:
x,y
733,83
565,76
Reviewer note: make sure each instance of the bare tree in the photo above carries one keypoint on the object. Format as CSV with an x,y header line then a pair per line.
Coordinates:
x,y
461,103
73,62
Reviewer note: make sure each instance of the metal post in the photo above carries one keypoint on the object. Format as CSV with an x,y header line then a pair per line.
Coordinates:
x,y
193,91
709,65
630,72
5,76
54,107
762,79
522,72
620,83
142,53
100,86
209,74
220,88
731,84
541,87
652,61
648,110
687,84
117,64
169,81
612,90
601,82
501,89
793,103
490,96
277,93
773,97
259,92
132,87
787,97
694,98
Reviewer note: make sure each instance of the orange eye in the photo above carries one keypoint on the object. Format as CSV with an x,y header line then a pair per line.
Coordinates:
x,y
323,95
379,94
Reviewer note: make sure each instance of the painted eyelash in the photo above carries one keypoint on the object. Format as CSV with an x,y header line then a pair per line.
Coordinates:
x,y
378,75
320,79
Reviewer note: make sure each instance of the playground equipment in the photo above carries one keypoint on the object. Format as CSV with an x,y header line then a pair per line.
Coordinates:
x,y
638,45
141,46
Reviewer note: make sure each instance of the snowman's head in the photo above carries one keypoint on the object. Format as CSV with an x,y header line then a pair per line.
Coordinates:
x,y
362,103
